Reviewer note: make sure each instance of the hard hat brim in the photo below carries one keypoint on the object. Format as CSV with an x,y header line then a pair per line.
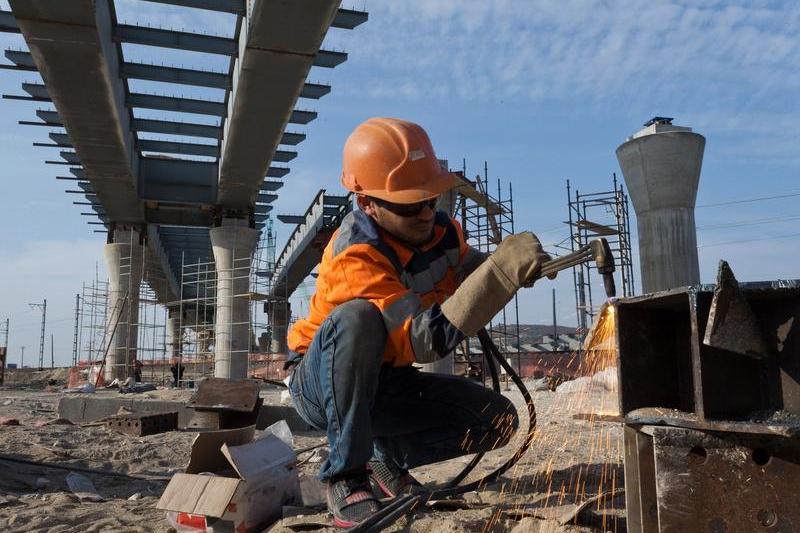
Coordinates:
x,y
434,186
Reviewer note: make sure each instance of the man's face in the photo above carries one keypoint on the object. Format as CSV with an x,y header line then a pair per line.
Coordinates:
x,y
415,229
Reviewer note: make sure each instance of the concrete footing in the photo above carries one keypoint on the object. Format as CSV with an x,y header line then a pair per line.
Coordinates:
x,y
81,409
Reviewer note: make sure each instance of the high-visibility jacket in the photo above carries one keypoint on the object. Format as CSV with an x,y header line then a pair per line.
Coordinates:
x,y
362,261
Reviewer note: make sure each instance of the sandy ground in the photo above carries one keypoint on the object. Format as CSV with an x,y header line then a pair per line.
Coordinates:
x,y
572,459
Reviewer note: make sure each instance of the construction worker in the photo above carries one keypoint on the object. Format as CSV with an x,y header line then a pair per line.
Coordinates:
x,y
398,285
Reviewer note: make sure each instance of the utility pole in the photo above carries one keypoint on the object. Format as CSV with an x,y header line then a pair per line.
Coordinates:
x,y
555,323
4,354
22,358
77,327
5,331
43,307
52,363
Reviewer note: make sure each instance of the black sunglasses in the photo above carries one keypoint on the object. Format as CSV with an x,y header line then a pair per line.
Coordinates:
x,y
406,210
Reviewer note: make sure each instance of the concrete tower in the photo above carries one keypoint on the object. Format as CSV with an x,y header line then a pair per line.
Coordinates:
x,y
661,164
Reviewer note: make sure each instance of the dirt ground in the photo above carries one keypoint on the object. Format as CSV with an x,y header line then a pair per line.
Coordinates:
x,y
575,455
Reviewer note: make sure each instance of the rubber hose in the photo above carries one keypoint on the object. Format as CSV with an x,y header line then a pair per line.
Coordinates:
x,y
405,504
495,387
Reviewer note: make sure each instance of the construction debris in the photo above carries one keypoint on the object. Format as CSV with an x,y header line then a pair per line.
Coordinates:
x,y
224,403
712,411
239,482
732,325
82,487
142,424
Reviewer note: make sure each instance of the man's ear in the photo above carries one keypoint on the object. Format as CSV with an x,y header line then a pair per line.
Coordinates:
x,y
365,205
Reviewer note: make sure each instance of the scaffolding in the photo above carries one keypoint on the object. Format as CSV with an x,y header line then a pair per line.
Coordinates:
x,y
90,322
593,215
261,281
151,346
486,221
122,309
197,309
196,324
263,271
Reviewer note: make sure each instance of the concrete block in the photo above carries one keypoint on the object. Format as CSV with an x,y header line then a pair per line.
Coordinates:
x,y
81,409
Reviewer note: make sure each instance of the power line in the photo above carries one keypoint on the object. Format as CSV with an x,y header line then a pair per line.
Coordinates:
x,y
749,200
790,235
783,218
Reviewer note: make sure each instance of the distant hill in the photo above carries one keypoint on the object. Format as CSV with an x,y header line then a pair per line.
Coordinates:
x,y
533,333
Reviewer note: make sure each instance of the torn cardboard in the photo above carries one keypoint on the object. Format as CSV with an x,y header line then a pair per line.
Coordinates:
x,y
237,483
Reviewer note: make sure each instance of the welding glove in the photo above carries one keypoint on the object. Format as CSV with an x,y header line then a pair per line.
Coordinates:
x,y
484,293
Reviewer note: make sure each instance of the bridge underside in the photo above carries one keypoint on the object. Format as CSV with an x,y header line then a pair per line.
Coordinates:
x,y
162,171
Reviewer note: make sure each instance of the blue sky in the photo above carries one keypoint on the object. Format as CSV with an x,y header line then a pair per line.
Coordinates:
x,y
543,91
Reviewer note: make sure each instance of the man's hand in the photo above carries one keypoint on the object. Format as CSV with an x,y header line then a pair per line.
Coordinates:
x,y
516,262
520,258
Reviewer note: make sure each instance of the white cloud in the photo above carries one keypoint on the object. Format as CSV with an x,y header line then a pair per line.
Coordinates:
x,y
711,59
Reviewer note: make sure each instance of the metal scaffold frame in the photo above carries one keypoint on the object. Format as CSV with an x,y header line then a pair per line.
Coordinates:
x,y
197,309
486,221
115,323
593,215
151,351
90,322
261,282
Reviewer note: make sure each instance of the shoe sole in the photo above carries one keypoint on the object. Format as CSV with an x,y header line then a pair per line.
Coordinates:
x,y
344,524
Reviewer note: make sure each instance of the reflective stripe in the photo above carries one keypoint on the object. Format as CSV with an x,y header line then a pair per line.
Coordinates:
x,y
344,236
425,281
472,260
453,256
405,307
422,283
422,339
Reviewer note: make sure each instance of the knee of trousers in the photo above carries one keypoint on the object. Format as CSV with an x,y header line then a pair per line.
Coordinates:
x,y
502,420
362,322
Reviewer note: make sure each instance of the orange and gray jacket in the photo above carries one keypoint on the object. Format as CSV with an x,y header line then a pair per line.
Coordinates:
x,y
407,285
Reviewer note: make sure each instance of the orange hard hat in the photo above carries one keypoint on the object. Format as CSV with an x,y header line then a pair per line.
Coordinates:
x,y
393,160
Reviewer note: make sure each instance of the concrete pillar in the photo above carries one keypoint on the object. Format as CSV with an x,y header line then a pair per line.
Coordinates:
x,y
280,311
233,244
174,334
124,262
442,366
661,164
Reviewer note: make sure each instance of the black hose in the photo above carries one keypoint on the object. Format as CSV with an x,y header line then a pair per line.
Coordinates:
x,y
403,505
483,336
495,387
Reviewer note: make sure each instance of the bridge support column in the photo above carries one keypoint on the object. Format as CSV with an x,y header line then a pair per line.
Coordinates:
x,y
124,260
279,313
174,333
233,243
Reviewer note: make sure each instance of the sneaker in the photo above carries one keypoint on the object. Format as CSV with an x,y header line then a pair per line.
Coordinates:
x,y
393,481
350,500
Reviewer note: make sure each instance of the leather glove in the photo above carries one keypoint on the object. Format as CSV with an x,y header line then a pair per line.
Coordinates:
x,y
515,263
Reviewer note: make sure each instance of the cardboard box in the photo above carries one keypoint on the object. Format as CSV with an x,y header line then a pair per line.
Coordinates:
x,y
237,483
